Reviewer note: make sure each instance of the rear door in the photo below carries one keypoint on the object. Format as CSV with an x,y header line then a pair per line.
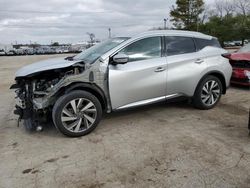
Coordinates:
x,y
143,78
185,65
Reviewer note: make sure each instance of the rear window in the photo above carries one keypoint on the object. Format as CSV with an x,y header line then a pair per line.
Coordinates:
x,y
202,43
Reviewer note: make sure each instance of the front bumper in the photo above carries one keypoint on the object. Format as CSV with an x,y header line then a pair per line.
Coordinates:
x,y
240,81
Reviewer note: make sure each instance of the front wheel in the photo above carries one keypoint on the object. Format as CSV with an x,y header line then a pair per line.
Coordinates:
x,y
208,93
77,113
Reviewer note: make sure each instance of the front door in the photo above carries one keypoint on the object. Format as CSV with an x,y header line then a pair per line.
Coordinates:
x,y
143,78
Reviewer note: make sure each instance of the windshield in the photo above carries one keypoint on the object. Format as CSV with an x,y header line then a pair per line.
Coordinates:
x,y
245,48
92,54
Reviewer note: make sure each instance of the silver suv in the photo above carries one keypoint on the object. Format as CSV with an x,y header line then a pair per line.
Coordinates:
x,y
121,73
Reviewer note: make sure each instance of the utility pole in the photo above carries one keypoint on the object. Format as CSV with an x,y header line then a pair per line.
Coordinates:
x,y
165,23
109,32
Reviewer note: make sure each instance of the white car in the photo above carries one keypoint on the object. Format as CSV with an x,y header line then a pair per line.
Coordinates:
x,y
2,52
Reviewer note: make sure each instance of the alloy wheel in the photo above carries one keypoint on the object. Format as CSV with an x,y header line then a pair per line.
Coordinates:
x,y
79,115
210,93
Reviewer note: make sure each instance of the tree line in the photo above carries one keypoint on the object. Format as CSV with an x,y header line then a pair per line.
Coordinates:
x,y
226,19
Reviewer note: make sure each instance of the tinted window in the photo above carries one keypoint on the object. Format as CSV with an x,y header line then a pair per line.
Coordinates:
x,y
202,43
179,45
147,48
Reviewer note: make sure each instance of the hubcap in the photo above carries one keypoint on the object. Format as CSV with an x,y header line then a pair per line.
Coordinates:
x,y
210,93
78,115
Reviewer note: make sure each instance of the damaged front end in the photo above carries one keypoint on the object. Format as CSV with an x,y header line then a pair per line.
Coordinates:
x,y
241,68
33,89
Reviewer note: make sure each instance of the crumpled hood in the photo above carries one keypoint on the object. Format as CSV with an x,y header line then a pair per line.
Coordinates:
x,y
44,65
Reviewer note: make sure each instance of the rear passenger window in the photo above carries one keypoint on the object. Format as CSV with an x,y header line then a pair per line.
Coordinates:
x,y
202,43
179,45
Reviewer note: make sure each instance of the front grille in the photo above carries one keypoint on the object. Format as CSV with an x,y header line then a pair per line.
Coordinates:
x,y
243,80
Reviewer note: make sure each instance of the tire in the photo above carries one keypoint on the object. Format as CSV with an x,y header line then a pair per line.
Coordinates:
x,y
206,98
77,113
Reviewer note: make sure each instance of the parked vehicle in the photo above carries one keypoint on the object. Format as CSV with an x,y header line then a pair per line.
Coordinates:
x,y
19,51
2,52
122,73
29,51
62,50
10,52
229,44
240,62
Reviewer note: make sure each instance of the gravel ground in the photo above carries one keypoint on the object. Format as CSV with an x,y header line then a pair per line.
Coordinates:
x,y
163,145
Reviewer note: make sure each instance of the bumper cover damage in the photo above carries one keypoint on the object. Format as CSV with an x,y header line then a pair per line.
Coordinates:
x,y
34,107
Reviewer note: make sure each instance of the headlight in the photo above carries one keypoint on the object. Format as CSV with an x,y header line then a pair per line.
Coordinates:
x,y
247,73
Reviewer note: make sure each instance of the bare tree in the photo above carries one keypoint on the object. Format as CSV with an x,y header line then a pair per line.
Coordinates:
x,y
219,8
229,7
225,7
91,37
243,6
208,12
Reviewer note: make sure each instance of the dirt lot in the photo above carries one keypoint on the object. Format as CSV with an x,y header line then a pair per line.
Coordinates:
x,y
164,145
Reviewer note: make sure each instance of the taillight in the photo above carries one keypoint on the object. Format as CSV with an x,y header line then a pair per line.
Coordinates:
x,y
226,55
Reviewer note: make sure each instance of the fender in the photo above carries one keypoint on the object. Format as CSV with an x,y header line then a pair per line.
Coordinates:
x,y
90,87
218,74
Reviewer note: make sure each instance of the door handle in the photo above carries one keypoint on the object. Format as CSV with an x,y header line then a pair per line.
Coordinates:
x,y
199,61
160,69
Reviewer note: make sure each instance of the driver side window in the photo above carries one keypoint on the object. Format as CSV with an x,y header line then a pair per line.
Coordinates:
x,y
143,49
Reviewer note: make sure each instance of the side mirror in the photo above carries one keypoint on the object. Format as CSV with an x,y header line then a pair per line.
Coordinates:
x,y
120,58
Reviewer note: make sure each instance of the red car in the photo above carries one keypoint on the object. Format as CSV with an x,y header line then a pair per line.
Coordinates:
x,y
240,62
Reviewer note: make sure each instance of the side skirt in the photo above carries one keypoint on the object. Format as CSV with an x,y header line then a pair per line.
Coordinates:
x,y
148,101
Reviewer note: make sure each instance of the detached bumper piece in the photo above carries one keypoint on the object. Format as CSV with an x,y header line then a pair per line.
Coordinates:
x,y
27,116
31,120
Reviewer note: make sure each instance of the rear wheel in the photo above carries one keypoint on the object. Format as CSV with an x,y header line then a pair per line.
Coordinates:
x,y
77,113
208,93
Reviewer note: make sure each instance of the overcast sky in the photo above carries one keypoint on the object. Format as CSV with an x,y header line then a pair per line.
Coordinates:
x,y
68,20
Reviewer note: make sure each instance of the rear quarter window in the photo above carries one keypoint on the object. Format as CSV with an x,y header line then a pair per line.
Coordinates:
x,y
202,43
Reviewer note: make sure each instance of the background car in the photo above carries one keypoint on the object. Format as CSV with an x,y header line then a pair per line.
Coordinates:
x,y
10,52
240,62
2,52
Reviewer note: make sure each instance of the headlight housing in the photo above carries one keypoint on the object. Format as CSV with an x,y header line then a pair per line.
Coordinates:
x,y
247,73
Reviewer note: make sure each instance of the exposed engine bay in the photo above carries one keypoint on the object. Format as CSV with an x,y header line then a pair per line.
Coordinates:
x,y
36,87
240,64
241,71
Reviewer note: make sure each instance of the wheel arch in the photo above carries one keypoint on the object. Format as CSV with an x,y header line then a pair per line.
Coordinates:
x,y
89,87
217,74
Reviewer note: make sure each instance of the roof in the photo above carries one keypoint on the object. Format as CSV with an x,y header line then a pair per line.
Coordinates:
x,y
157,33
176,33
